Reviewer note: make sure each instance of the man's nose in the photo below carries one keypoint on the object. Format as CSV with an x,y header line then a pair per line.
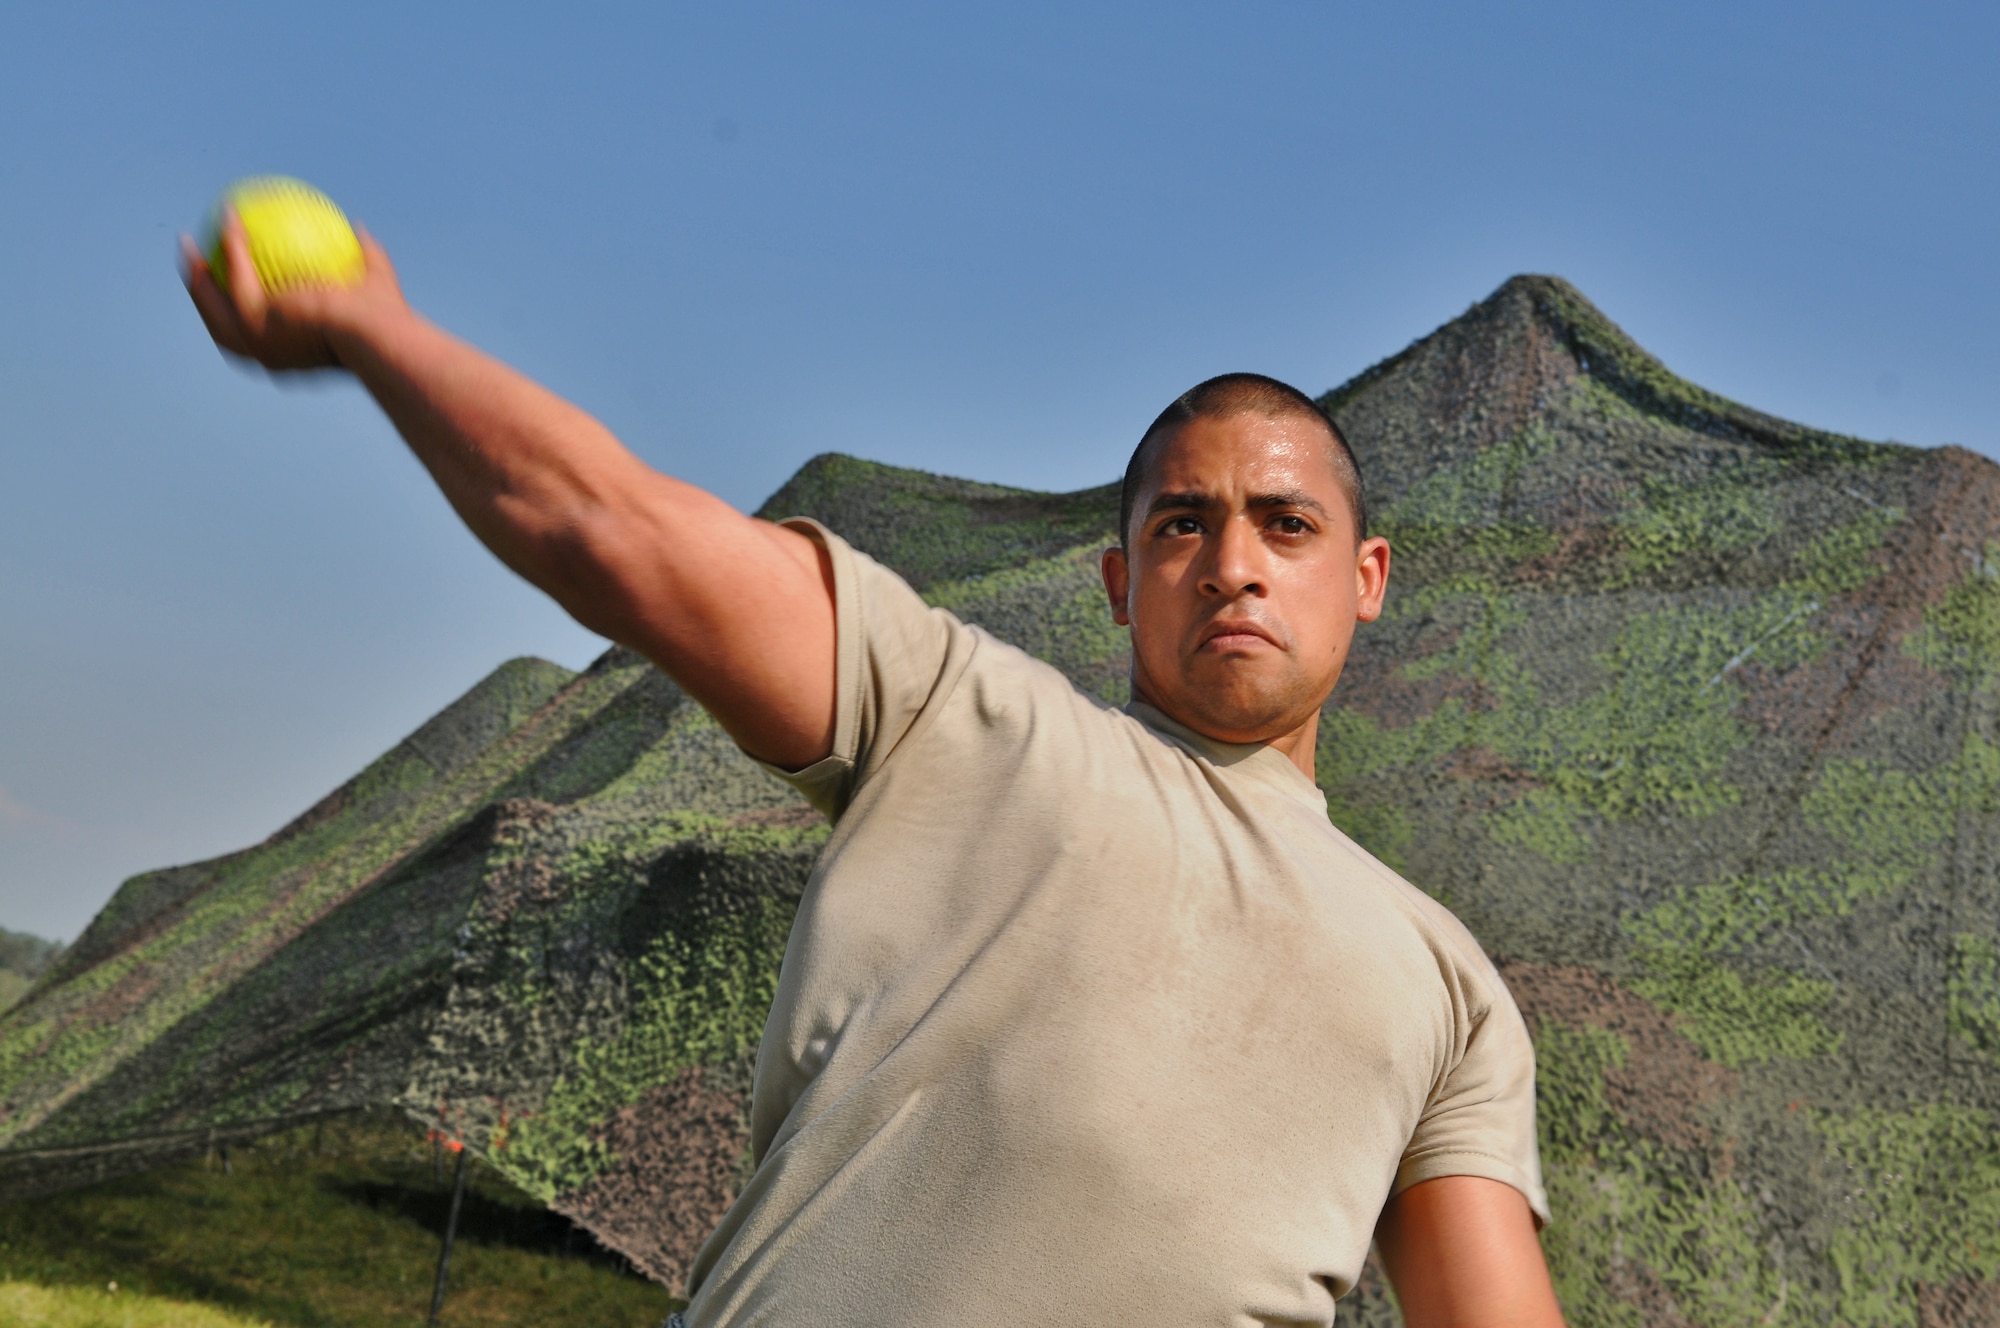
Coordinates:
x,y
1236,562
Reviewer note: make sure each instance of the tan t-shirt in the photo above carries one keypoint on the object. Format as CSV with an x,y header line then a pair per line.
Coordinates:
x,y
1088,1019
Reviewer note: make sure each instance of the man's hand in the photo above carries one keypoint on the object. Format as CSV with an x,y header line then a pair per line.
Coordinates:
x,y
738,611
296,330
1461,1253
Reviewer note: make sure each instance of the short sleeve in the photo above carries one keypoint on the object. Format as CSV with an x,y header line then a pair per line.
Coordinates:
x,y
893,656
1480,1121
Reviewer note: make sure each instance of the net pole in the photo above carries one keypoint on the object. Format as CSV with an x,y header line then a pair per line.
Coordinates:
x,y
450,1233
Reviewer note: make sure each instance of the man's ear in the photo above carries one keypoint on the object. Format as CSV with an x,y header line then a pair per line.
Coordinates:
x,y
1371,578
1117,584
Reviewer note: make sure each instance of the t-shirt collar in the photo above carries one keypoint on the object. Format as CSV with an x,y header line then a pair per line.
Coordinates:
x,y
1258,761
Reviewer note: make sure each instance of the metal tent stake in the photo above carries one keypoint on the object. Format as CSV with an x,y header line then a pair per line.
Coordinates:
x,y
450,1232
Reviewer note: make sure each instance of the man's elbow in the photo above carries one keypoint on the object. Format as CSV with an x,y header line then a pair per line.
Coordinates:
x,y
602,572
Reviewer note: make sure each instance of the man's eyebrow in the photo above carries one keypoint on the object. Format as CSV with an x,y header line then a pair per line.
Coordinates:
x,y
1194,501
1181,502
1288,498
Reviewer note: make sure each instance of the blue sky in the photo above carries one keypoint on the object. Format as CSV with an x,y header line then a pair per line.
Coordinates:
x,y
988,240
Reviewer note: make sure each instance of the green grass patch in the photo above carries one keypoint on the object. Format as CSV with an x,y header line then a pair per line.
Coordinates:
x,y
31,1306
314,1230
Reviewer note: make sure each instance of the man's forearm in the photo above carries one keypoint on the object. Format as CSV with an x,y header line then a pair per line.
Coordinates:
x,y
652,563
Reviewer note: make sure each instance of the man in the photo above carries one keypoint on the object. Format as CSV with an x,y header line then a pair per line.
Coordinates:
x,y
1088,1016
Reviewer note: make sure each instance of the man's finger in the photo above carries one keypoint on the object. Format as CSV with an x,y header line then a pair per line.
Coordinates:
x,y
377,259
218,315
246,288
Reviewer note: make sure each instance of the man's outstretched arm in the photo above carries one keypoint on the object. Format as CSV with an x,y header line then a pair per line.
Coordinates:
x,y
738,611
1461,1253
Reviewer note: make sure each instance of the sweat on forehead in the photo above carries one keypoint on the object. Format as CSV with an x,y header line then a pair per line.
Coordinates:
x,y
1241,394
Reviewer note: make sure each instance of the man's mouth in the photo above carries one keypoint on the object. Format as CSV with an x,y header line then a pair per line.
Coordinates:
x,y
1226,634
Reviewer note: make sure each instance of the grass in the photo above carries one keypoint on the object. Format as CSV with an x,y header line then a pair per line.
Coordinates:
x,y
31,1306
317,1229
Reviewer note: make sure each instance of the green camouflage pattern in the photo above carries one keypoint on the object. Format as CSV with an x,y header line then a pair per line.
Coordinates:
x,y
1688,712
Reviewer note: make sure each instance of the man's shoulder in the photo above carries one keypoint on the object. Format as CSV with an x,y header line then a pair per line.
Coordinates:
x,y
1446,935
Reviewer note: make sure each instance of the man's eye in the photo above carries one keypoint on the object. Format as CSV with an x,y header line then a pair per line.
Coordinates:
x,y
1291,525
1181,525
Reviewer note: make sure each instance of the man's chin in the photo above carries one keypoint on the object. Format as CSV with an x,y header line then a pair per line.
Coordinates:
x,y
1241,715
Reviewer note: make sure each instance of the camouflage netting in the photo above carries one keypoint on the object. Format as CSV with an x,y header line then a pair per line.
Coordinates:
x,y
1689,712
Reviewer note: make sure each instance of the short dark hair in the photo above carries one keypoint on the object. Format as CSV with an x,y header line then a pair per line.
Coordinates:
x,y
1242,394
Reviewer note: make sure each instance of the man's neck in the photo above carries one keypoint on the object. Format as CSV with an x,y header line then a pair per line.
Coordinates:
x,y
1300,746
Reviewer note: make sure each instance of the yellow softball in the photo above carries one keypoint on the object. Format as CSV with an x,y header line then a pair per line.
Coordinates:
x,y
297,236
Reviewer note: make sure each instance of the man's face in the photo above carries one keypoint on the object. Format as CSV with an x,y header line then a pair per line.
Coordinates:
x,y
1241,578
